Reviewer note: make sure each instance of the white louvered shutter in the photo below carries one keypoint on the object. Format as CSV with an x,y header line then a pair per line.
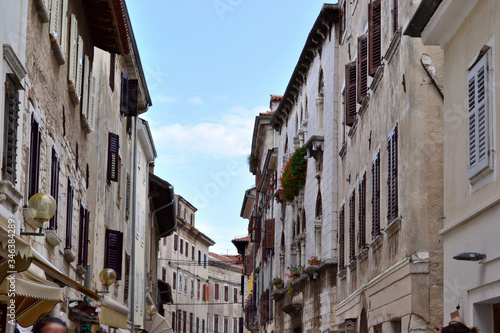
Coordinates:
x,y
478,117
91,111
55,16
73,50
64,27
79,68
85,97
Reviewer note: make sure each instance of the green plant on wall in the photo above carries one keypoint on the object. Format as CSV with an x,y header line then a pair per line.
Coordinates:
x,y
293,175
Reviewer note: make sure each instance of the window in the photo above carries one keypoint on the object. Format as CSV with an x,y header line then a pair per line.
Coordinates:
x,y
185,284
235,325
69,214
204,260
343,20
392,176
350,93
362,67
179,321
226,293
395,22
179,207
36,135
127,198
226,325
235,294
128,97
54,185
197,325
362,213
10,130
376,196
182,246
341,239
114,248
479,117
187,249
184,315
199,257
203,326
58,27
163,274
198,289
269,234
180,282
216,292
206,292
175,242
192,218
127,273
192,253
190,322
113,157
174,280
374,36
352,226
173,321
241,324
112,65
192,288
216,323
83,240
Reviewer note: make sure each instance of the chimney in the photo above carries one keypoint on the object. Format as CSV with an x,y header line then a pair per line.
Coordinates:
x,y
152,168
275,101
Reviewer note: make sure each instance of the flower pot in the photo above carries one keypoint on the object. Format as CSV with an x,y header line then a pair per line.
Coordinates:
x,y
314,262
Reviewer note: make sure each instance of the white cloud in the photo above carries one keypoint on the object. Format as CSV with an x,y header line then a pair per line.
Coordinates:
x,y
229,138
196,100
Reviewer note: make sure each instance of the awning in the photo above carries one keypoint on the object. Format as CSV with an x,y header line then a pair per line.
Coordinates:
x,y
113,313
82,311
18,253
158,325
162,195
165,292
34,295
52,272
348,325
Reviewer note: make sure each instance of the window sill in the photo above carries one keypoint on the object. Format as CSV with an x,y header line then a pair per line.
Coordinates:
x,y
353,264
364,105
353,128
343,150
43,11
57,50
376,79
342,273
69,255
377,242
52,238
363,254
80,270
393,227
396,39
9,196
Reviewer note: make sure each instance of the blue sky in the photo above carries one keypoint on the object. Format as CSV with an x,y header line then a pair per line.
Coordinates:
x,y
211,66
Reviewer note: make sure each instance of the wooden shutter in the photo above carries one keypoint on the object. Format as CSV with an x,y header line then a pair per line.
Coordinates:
x,y
124,94
362,213
216,292
85,97
127,278
192,253
127,203
10,130
113,158
479,140
204,260
36,136
269,234
174,280
64,26
376,196
73,50
341,239
69,214
112,66
114,249
83,236
350,102
133,90
395,21
79,68
235,294
374,36
54,185
226,293
55,16
362,67
392,176
352,226
175,242
181,246
92,103
207,292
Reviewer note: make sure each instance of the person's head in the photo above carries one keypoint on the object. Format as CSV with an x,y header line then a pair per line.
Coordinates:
x,y
455,327
50,325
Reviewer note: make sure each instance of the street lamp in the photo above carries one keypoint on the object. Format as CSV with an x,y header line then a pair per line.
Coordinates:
x,y
107,277
41,208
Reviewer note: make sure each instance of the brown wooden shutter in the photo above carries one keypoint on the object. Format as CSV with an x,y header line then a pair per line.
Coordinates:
x,y
374,36
112,65
69,214
114,250
124,94
174,280
113,156
181,246
226,293
207,292
341,239
127,198
376,196
83,239
392,177
269,234
175,242
133,90
10,130
362,67
36,136
352,226
54,185
216,292
127,277
350,102
362,213
395,22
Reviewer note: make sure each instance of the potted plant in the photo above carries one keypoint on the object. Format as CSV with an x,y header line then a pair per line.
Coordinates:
x,y
278,283
314,261
295,272
293,175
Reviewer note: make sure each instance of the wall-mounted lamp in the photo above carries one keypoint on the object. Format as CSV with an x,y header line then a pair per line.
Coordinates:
x,y
41,208
471,256
151,310
107,277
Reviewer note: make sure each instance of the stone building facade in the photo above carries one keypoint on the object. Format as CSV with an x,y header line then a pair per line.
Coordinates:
x,y
390,172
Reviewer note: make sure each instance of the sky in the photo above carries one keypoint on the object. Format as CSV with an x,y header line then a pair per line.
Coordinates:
x,y
210,67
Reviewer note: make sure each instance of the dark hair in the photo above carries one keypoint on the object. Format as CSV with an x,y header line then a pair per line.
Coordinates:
x,y
48,320
455,327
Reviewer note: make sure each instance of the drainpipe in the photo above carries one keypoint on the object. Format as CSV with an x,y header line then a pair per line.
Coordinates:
x,y
134,217
151,241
